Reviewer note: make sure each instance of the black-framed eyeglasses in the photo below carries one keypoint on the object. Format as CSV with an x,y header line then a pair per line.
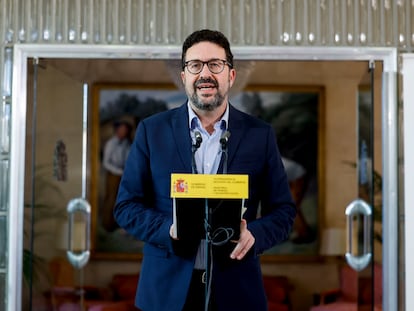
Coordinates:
x,y
215,65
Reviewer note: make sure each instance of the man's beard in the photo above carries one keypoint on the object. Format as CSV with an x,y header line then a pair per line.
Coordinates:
x,y
217,101
212,104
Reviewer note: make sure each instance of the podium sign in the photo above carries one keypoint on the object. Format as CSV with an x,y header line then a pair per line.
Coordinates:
x,y
223,186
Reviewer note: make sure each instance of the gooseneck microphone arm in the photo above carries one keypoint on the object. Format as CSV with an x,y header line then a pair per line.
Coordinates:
x,y
194,147
223,142
208,212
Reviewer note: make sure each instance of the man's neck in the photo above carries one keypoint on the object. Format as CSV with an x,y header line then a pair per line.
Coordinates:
x,y
209,118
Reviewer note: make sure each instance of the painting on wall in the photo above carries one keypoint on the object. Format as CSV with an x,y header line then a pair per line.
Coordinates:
x,y
117,110
294,113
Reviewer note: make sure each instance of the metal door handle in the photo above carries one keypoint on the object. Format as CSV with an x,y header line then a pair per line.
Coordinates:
x,y
355,208
79,257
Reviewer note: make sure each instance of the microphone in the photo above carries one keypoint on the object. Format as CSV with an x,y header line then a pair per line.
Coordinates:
x,y
224,139
198,139
195,146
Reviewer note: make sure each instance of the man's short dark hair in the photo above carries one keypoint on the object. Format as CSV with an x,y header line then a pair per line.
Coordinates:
x,y
208,35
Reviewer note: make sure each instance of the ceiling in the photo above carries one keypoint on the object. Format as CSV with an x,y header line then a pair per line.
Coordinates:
x,y
168,71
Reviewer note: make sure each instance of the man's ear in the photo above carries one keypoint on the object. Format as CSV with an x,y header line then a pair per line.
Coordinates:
x,y
232,77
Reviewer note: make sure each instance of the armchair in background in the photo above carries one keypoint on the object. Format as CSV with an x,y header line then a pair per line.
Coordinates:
x,y
65,293
123,287
278,290
352,290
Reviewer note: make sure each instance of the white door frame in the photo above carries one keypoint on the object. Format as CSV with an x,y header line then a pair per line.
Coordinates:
x,y
73,51
408,130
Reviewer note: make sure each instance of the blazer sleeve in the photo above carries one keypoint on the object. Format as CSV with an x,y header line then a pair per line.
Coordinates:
x,y
277,208
138,210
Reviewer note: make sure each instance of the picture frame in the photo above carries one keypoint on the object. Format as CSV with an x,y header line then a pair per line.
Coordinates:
x,y
113,104
295,113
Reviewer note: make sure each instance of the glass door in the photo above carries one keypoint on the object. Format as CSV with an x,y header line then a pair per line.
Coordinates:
x,y
56,214
347,144
363,217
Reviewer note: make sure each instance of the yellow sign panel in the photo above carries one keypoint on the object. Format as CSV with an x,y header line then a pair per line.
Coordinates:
x,y
223,186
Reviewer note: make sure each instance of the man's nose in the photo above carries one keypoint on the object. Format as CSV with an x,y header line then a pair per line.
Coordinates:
x,y
205,71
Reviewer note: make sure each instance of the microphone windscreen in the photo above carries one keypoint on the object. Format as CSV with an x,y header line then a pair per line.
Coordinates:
x,y
224,137
198,138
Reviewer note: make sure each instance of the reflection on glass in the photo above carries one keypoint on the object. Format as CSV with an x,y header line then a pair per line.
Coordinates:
x,y
375,24
287,20
236,19
300,20
136,10
411,23
161,22
325,27
148,24
402,22
337,19
172,24
123,19
3,243
8,21
46,15
21,20
310,22
86,19
7,73
388,23
184,21
275,22
73,21
60,19
349,12
2,291
249,22
4,128
314,22
110,22
224,18
33,20
4,183
97,26
261,21
363,22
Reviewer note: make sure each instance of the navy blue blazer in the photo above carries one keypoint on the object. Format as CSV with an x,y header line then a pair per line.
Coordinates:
x,y
162,146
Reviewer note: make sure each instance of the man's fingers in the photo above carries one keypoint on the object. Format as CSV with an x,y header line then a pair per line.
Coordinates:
x,y
242,247
172,232
245,242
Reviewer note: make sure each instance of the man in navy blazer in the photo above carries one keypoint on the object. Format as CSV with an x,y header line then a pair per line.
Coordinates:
x,y
170,277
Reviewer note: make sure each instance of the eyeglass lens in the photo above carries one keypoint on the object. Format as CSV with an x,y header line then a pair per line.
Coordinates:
x,y
214,65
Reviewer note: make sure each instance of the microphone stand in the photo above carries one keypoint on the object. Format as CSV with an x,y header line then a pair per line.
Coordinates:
x,y
208,257
208,213
194,148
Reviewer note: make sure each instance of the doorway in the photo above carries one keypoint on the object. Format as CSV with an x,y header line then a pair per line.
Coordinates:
x,y
338,76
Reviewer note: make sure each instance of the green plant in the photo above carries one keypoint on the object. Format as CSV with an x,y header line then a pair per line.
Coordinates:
x,y
39,208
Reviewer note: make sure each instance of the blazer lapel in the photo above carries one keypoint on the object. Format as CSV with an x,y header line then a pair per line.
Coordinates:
x,y
181,133
236,129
